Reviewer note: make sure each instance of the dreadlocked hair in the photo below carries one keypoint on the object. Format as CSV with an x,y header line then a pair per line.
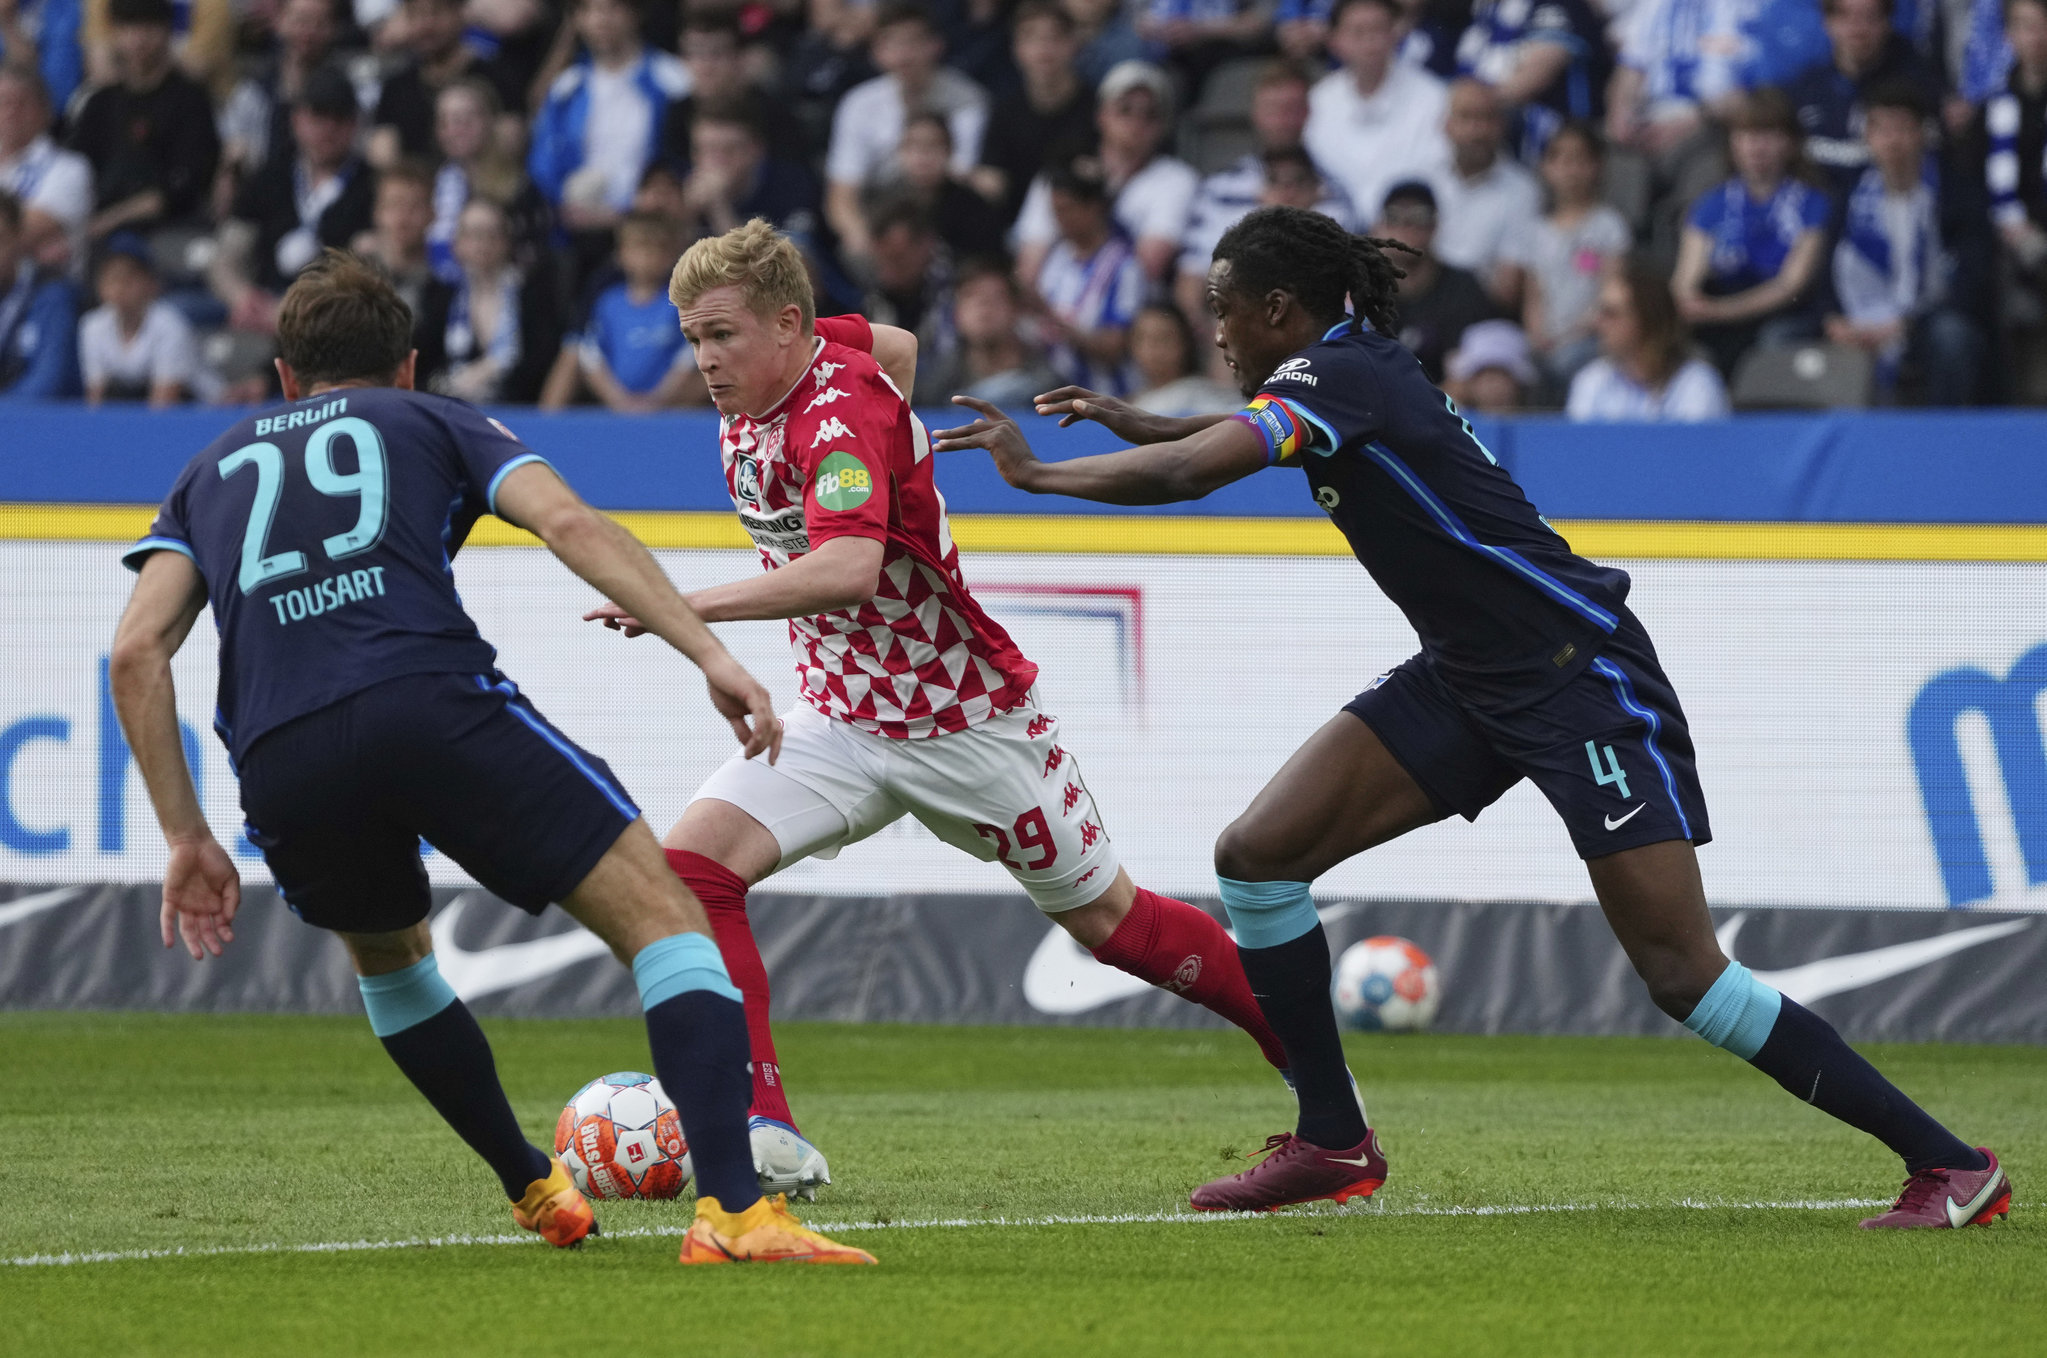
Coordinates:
x,y
1307,254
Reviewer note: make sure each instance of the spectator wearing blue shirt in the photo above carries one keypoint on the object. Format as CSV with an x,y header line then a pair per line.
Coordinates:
x,y
1090,286
1900,286
38,320
1752,246
1107,39
45,35
600,125
1866,51
1546,59
1200,35
630,353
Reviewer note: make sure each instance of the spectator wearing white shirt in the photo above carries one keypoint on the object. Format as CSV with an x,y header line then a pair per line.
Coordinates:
x,y
1646,369
1089,287
53,186
1279,112
1378,120
1484,197
907,48
1152,193
134,346
1563,256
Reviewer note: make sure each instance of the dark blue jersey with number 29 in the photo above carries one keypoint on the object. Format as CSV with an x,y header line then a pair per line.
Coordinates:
x,y
325,531
1504,608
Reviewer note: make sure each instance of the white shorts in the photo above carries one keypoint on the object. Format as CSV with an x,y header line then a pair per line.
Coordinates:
x,y
1003,791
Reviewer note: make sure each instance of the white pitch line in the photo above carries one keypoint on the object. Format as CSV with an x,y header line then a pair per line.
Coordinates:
x,y
941,1223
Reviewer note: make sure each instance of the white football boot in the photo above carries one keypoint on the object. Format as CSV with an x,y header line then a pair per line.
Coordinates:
x,y
785,1161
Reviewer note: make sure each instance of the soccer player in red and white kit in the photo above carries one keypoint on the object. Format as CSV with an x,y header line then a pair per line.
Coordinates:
x,y
915,701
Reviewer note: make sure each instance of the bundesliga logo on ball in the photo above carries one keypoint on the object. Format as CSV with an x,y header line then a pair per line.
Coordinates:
x,y
620,1137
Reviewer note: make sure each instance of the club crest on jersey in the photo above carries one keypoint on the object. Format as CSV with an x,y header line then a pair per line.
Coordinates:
x,y
746,479
843,482
833,428
826,397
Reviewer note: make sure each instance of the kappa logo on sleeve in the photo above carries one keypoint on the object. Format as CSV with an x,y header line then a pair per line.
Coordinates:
x,y
843,482
833,428
824,371
826,397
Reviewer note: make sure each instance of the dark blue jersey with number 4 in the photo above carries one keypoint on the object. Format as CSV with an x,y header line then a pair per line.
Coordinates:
x,y
1504,608
325,532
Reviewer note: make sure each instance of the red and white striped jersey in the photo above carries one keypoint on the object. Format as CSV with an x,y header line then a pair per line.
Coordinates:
x,y
841,455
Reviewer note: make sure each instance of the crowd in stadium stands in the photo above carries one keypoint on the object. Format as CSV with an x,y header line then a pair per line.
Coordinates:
x,y
1626,209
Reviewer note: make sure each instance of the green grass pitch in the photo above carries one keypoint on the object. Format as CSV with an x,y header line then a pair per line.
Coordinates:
x,y
131,1133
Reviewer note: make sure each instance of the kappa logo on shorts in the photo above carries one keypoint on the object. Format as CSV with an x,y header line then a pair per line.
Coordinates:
x,y
843,482
1072,797
1038,726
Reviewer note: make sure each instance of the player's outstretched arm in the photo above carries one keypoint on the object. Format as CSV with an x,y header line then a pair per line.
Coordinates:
x,y
1120,418
201,890
1160,473
597,548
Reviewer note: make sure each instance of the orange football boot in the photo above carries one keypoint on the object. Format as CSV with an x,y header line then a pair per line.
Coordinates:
x,y
555,1210
765,1233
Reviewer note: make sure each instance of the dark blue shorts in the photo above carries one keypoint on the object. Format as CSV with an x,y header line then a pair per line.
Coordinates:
x,y
1610,749
339,800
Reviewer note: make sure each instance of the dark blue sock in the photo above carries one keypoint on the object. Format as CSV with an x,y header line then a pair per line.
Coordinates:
x,y
448,1059
700,1053
1291,984
1805,1055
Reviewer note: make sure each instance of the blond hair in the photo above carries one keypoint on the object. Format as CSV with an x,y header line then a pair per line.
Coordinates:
x,y
761,262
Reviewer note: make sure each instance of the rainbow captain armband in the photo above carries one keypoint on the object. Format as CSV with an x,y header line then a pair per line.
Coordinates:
x,y
1280,425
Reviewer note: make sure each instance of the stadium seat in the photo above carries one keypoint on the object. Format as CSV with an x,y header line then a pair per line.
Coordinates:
x,y
1216,131
1810,376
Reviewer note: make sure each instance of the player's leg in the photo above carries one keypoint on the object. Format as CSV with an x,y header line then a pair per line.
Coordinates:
x,y
719,852
1656,904
1343,792
433,1038
343,862
536,819
748,820
1631,800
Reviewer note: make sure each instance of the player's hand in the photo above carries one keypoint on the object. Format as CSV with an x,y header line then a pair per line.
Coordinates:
x,y
994,431
743,701
201,892
1125,421
617,619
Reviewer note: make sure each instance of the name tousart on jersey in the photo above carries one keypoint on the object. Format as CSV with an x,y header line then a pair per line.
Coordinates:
x,y
841,455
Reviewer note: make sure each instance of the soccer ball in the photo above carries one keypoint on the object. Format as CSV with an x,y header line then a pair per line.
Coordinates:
x,y
1387,984
620,1137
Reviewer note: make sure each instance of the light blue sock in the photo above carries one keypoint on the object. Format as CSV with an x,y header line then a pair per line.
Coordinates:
x,y
398,1000
1267,914
1738,1013
671,966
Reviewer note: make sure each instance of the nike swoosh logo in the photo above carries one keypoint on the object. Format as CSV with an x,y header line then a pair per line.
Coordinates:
x,y
1339,1160
1959,1214
1613,824
485,971
1064,978
1851,971
15,911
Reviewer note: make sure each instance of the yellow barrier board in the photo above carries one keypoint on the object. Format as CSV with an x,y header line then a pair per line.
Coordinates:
x,y
1120,535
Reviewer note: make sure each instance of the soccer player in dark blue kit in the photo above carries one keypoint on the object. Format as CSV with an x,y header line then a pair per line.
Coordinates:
x,y
1531,667
363,712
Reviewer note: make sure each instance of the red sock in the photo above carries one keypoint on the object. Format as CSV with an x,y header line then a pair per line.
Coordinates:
x,y
723,893
1179,948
